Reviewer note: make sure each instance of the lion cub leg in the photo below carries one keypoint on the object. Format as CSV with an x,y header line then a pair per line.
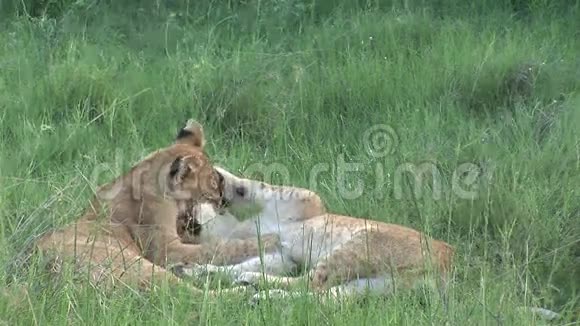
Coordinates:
x,y
373,261
352,268
110,264
273,263
232,251
147,275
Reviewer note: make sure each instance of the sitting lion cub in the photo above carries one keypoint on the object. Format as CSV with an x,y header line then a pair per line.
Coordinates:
x,y
343,254
129,233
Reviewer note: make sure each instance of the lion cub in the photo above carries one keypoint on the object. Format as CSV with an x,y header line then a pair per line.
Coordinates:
x,y
129,233
342,254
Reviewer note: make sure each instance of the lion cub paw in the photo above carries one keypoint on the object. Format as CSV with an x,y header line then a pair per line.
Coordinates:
x,y
248,278
206,269
179,269
273,294
193,270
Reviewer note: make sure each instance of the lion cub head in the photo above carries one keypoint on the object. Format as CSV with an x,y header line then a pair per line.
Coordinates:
x,y
190,222
168,182
218,218
193,224
190,177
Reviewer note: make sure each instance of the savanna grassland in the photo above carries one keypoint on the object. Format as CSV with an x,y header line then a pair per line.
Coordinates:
x,y
333,95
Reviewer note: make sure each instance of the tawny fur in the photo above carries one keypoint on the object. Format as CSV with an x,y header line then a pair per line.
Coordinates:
x,y
340,251
128,234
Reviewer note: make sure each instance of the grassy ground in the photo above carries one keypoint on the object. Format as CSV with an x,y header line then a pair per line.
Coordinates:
x,y
308,91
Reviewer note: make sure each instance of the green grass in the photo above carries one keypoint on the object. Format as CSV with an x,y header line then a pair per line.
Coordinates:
x,y
297,85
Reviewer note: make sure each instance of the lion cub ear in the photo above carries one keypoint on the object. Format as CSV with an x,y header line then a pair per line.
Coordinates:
x,y
191,134
178,170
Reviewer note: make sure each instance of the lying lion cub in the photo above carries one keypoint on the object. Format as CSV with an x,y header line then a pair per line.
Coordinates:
x,y
129,233
343,254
